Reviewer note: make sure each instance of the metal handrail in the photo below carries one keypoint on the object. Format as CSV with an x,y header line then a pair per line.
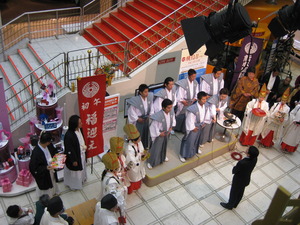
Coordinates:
x,y
158,22
11,37
155,24
80,64
33,71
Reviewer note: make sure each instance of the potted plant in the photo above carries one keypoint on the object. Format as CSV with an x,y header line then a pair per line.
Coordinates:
x,y
109,70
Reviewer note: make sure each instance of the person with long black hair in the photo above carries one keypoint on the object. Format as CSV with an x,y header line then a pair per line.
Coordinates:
x,y
75,148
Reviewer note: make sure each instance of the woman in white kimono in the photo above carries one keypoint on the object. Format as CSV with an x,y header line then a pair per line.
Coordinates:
x,y
291,137
279,114
75,148
253,125
106,211
117,147
136,155
111,183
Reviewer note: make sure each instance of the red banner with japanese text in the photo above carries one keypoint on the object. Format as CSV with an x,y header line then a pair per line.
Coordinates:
x,y
91,100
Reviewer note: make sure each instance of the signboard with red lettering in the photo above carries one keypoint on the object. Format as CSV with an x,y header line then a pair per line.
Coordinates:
x,y
110,118
91,101
168,60
197,61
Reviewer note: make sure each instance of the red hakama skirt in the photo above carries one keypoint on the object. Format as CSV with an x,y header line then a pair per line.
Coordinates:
x,y
268,140
247,139
288,148
134,186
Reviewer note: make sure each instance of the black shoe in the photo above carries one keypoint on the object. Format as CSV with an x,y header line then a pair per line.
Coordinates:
x,y
225,205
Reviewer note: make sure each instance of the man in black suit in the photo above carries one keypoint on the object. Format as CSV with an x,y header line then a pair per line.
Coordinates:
x,y
40,167
242,173
230,72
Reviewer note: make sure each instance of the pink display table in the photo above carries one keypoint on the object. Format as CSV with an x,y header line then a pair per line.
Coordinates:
x,y
24,164
10,173
4,151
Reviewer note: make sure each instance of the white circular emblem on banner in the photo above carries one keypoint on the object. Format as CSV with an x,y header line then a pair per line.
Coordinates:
x,y
90,89
253,48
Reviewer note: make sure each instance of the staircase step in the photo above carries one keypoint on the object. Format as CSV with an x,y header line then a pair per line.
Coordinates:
x,y
155,7
100,39
39,58
148,27
140,9
155,34
197,6
107,37
185,12
166,24
19,65
6,68
32,64
127,35
143,40
13,102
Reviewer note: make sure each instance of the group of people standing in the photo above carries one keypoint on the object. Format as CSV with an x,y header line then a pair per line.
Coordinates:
x,y
123,174
263,108
75,167
184,106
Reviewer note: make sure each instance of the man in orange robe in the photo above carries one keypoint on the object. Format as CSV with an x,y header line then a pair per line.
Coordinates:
x,y
247,89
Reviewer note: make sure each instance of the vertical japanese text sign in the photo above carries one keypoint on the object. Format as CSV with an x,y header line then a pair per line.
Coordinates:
x,y
91,99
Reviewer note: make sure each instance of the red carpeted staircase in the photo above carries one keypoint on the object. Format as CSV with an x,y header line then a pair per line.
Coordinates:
x,y
127,28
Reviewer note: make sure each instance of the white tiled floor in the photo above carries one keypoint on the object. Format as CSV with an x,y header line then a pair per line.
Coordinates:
x,y
194,196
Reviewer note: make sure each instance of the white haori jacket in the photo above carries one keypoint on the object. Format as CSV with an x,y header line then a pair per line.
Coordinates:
x,y
160,122
112,184
273,122
185,91
134,154
196,115
291,134
210,85
164,94
252,122
139,107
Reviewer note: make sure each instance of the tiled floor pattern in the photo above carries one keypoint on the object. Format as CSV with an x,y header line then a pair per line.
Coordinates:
x,y
193,197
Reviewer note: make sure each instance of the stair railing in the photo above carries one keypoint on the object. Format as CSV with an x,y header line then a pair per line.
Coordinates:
x,y
66,68
83,62
17,94
96,9
51,23
165,34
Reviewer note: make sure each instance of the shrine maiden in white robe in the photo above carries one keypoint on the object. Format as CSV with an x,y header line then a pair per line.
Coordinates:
x,y
111,184
273,123
134,153
291,137
252,122
105,216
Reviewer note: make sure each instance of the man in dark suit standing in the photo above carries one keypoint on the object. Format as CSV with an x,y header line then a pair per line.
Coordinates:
x,y
40,165
242,173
